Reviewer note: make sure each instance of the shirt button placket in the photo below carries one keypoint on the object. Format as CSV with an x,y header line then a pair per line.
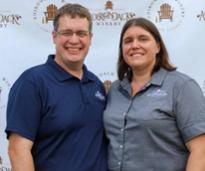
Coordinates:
x,y
121,146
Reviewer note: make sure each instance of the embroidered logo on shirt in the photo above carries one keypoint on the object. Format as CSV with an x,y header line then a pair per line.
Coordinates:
x,y
99,95
157,93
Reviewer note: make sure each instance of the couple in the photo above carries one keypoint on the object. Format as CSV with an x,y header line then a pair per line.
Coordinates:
x,y
154,116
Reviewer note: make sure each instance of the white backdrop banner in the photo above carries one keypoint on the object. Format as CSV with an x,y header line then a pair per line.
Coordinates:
x,y
25,39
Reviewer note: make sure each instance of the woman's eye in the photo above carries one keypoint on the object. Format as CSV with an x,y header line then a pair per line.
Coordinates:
x,y
127,41
143,38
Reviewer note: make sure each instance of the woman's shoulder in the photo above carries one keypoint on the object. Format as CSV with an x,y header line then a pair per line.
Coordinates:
x,y
179,75
180,79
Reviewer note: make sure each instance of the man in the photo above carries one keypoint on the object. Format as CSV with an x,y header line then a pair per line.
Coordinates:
x,y
54,114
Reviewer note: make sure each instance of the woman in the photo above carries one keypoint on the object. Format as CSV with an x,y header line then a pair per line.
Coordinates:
x,y
155,116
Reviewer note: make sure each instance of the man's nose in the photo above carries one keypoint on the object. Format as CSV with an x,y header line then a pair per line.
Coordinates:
x,y
74,38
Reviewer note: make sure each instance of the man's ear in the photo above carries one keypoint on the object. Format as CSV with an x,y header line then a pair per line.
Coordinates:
x,y
54,35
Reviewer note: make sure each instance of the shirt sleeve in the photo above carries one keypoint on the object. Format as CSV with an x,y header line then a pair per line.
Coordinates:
x,y
23,109
190,110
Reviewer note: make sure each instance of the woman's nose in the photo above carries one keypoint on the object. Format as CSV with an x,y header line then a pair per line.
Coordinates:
x,y
135,43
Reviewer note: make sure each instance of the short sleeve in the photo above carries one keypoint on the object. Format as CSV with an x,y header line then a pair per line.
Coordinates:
x,y
23,109
190,110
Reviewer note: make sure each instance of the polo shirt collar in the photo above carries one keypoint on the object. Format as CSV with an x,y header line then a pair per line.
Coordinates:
x,y
157,79
63,75
125,83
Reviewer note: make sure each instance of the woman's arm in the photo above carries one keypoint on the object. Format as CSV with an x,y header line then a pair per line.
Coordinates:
x,y
196,160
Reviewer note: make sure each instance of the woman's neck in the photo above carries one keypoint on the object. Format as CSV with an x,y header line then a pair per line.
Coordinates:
x,y
139,80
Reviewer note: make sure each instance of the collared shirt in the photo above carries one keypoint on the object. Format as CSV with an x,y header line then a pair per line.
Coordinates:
x,y
62,115
148,132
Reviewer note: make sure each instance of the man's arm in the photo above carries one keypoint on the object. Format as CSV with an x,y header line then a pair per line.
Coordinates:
x,y
19,151
196,160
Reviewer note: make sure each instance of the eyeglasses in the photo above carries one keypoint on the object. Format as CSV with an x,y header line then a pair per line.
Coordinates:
x,y
70,33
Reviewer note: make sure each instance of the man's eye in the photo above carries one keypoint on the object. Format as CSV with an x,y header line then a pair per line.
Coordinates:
x,y
82,33
67,33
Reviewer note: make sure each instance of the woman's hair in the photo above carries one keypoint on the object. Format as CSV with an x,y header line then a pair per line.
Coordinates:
x,y
162,58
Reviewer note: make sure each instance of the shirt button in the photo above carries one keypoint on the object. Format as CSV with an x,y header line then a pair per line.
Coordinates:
x,y
121,146
122,129
119,163
124,114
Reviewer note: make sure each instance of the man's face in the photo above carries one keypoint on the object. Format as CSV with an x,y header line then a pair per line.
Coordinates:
x,y
72,40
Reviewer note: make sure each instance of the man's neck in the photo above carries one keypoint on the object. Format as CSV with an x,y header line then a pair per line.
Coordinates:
x,y
75,69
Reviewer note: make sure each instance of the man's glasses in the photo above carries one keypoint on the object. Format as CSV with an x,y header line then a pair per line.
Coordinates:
x,y
70,33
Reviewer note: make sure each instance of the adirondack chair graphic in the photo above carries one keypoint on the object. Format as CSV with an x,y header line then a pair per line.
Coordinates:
x,y
50,13
109,5
107,85
1,161
165,12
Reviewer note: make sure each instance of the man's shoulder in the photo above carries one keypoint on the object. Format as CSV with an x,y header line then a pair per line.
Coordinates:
x,y
93,76
34,71
31,75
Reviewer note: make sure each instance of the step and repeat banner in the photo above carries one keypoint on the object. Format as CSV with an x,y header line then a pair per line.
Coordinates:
x,y
25,39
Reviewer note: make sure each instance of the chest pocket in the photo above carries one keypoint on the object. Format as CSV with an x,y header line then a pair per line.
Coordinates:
x,y
151,108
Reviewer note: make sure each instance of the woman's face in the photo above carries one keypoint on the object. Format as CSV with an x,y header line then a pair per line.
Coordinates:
x,y
139,49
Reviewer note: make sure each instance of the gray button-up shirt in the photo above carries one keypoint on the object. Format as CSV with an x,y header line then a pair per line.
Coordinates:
x,y
148,132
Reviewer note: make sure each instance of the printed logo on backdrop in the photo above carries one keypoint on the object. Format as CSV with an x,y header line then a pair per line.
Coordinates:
x,y
166,15
109,14
107,78
9,18
4,88
201,16
44,12
3,167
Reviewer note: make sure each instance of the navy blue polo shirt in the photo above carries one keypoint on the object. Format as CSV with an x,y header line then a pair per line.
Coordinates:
x,y
62,115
